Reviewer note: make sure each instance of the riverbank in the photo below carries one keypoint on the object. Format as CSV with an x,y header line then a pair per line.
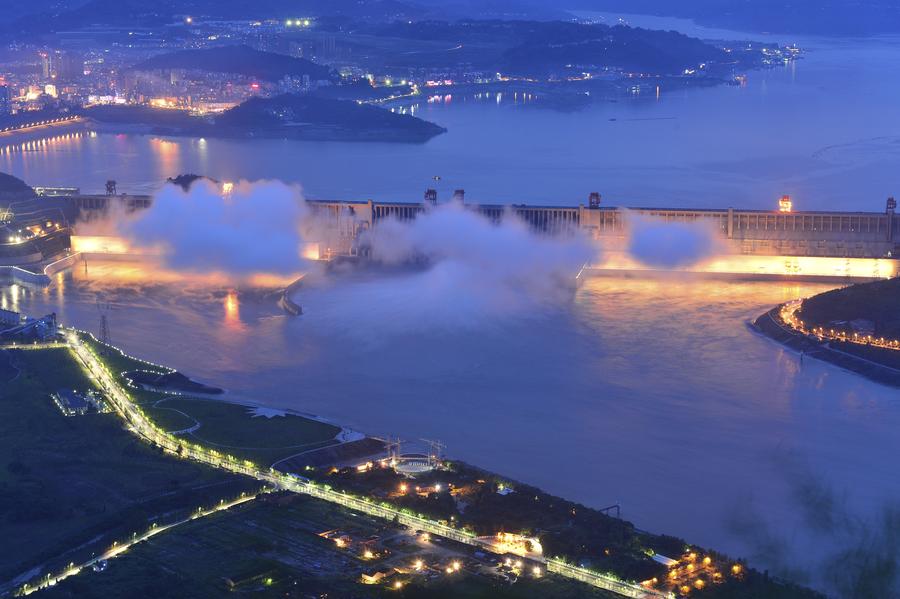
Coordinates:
x,y
471,506
773,326
287,116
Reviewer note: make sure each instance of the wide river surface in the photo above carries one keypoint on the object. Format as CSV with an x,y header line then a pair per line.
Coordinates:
x,y
825,129
653,395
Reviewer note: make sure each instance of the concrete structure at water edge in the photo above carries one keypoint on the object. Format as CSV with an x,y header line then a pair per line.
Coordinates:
x,y
749,243
762,243
781,232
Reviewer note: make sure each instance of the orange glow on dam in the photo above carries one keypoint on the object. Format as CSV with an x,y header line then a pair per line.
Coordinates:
x,y
755,267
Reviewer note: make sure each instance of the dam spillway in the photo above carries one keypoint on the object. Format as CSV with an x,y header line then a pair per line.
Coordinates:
x,y
742,232
766,243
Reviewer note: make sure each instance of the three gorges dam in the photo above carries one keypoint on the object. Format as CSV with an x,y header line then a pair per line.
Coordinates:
x,y
764,244
803,245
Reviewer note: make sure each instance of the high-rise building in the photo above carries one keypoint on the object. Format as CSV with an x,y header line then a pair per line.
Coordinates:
x,y
68,65
46,68
5,100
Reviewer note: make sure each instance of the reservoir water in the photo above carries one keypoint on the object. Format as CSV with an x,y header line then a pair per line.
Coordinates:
x,y
654,395
824,129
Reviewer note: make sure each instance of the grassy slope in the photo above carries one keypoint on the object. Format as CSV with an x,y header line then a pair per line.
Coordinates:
x,y
267,541
67,480
230,428
878,302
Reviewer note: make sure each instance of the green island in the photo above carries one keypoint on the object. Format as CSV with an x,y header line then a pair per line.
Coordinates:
x,y
869,309
856,327
286,116
147,492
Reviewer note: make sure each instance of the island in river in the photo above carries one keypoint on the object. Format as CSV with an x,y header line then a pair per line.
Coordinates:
x,y
856,327
285,116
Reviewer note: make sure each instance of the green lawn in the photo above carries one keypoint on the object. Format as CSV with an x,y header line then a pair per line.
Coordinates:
x,y
230,428
271,548
267,548
68,481
233,429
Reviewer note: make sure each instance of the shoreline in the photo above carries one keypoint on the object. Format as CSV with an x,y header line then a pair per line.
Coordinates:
x,y
372,497
770,325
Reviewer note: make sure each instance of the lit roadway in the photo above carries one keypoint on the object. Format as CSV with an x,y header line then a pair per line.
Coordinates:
x,y
144,427
49,123
118,548
788,314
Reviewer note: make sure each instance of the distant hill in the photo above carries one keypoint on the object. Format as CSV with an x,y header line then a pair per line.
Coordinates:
x,y
73,15
282,117
66,15
40,16
17,10
493,9
13,185
877,302
815,17
241,60
539,47
313,116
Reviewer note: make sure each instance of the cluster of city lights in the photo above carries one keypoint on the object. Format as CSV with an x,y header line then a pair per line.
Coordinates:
x,y
693,573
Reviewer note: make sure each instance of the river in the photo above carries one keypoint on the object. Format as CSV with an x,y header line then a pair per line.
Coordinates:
x,y
654,395
824,129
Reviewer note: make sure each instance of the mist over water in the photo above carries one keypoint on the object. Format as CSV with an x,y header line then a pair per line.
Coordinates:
x,y
254,228
659,244
475,270
653,394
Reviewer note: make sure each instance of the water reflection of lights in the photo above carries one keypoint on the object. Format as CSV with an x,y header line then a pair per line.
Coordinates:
x,y
9,300
148,268
789,316
46,143
166,152
767,266
232,309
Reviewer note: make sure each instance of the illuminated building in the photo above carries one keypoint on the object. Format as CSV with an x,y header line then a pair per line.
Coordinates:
x,y
5,100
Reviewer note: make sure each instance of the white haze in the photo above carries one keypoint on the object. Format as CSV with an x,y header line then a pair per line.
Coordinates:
x,y
473,269
467,267
671,245
253,230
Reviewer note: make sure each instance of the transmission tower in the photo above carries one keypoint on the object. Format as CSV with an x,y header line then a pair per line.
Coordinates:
x,y
393,449
435,452
104,323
